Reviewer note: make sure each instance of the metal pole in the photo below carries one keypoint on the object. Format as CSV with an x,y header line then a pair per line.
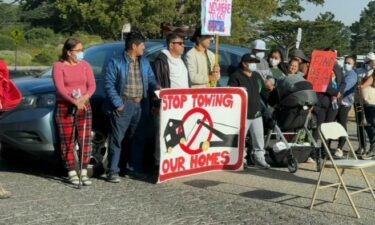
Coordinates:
x,y
15,60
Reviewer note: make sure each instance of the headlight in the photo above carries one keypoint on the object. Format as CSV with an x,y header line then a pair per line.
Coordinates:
x,y
34,101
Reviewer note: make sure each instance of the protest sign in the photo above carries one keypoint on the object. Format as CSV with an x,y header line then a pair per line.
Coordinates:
x,y
321,67
201,130
216,17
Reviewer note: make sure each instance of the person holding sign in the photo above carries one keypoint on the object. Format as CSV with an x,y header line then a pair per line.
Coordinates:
x,y
247,77
201,62
327,109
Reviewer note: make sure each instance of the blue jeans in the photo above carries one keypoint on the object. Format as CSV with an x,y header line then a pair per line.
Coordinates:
x,y
120,122
135,155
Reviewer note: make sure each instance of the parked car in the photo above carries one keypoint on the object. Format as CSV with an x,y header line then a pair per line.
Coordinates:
x,y
31,127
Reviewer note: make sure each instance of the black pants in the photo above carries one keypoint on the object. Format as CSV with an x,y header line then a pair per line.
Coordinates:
x,y
342,118
323,115
370,117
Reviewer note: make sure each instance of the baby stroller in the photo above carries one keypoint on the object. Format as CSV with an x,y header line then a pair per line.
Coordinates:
x,y
289,140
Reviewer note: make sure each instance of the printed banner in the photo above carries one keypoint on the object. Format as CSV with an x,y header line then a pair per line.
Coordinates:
x,y
216,17
201,130
321,67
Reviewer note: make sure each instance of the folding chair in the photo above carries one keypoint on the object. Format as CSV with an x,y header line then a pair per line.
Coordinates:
x,y
333,131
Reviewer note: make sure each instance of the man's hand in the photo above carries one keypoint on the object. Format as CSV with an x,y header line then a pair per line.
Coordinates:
x,y
121,108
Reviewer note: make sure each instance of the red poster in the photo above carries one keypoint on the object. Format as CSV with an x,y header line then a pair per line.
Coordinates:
x,y
321,67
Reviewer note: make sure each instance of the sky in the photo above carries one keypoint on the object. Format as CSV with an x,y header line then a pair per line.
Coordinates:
x,y
347,11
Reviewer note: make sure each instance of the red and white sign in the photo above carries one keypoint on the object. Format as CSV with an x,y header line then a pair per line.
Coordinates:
x,y
201,130
321,68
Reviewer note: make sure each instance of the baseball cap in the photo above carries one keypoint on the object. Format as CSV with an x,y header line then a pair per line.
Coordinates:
x,y
249,58
259,45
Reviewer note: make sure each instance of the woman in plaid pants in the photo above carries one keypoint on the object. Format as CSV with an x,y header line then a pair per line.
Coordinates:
x,y
75,84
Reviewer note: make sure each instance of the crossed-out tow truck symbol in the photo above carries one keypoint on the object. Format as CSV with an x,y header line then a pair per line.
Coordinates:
x,y
174,134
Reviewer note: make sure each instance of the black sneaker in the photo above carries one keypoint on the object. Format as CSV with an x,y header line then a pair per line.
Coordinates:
x,y
135,175
113,178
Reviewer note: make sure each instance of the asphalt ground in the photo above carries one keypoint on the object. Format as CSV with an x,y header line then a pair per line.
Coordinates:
x,y
253,196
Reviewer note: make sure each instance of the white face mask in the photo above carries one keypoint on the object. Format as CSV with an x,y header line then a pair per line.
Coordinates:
x,y
252,66
274,62
348,67
79,56
260,55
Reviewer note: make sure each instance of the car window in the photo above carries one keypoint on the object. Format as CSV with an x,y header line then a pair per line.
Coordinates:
x,y
228,63
99,57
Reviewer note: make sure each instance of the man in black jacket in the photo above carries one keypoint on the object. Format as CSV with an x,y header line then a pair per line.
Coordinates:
x,y
170,69
171,72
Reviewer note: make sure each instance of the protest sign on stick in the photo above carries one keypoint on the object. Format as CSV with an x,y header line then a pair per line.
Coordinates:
x,y
321,69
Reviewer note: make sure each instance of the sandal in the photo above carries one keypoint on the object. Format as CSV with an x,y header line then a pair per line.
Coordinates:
x,y
85,180
4,194
73,179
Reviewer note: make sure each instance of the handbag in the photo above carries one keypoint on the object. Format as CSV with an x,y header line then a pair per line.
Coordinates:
x,y
368,95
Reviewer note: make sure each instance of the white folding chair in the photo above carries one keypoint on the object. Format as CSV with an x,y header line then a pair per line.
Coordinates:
x,y
333,131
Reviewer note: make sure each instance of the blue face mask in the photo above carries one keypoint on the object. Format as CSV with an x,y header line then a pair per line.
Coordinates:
x,y
348,67
79,56
252,66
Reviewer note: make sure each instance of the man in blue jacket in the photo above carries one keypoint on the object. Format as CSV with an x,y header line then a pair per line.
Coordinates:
x,y
127,80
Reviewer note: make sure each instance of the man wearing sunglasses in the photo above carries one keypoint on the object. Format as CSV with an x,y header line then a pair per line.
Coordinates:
x,y
170,69
171,72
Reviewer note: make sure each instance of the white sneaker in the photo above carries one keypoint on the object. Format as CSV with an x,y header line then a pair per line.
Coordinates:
x,y
339,153
310,160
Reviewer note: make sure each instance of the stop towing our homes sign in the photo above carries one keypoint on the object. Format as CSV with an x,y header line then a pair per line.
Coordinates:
x,y
201,130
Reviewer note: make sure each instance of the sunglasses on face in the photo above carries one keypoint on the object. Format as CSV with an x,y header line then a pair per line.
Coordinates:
x,y
178,42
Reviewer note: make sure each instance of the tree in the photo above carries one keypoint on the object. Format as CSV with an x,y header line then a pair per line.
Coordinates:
x,y
106,17
293,8
363,31
10,14
322,33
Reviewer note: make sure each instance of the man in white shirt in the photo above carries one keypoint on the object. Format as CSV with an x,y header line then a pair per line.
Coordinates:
x,y
171,72
170,69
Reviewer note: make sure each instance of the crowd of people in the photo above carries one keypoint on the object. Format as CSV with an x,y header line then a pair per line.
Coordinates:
x,y
130,80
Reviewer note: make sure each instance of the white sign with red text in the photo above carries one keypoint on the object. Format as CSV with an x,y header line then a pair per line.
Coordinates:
x,y
201,130
216,17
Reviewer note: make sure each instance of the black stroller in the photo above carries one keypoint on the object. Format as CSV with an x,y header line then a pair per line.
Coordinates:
x,y
289,140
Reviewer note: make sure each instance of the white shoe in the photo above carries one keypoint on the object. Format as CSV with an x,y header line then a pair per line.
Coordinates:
x,y
339,153
310,160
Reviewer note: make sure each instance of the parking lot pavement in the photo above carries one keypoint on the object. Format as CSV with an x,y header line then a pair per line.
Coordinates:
x,y
252,196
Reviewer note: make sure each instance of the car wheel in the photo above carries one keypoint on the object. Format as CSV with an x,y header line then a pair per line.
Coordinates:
x,y
98,160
